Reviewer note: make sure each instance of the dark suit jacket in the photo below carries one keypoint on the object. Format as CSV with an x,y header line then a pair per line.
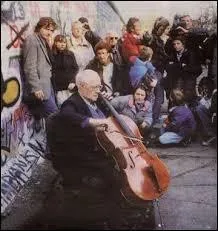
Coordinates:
x,y
176,71
70,142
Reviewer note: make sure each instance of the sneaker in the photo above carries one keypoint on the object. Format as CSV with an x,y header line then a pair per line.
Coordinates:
x,y
185,142
208,141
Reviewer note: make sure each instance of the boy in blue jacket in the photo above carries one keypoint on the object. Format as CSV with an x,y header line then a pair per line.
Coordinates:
x,y
141,66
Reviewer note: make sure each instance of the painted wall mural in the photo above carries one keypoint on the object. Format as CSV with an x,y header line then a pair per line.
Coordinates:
x,y
22,138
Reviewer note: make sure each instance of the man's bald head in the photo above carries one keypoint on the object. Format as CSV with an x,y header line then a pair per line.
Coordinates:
x,y
87,76
89,84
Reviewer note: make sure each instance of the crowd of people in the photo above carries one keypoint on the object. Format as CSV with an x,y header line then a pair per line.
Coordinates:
x,y
168,58
65,75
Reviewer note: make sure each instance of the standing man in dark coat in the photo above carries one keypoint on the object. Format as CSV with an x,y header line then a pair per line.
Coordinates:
x,y
183,69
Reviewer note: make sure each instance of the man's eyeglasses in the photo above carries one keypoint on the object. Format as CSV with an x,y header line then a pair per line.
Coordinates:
x,y
95,88
111,38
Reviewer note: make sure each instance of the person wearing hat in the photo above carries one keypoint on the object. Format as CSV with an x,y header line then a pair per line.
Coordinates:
x,y
90,36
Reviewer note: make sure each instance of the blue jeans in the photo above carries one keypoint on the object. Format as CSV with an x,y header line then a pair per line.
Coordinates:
x,y
49,106
205,117
159,98
42,109
169,137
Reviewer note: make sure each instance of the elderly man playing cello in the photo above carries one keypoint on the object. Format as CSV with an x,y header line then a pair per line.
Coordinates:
x,y
77,122
85,167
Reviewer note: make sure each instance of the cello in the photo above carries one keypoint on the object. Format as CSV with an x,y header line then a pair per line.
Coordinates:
x,y
144,176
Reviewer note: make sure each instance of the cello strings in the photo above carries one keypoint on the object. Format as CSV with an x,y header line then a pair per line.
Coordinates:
x,y
129,137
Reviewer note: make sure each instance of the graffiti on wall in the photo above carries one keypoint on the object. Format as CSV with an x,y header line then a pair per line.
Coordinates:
x,y
104,19
20,126
22,143
6,134
10,92
18,170
12,10
11,85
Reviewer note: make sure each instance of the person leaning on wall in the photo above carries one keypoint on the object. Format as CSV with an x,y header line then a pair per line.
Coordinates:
x,y
37,67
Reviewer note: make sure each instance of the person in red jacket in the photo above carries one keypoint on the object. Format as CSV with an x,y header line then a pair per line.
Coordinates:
x,y
132,39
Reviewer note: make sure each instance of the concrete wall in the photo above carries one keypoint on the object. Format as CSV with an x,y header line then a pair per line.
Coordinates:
x,y
23,144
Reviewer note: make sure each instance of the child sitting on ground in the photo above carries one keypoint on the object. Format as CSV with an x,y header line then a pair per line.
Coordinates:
x,y
180,123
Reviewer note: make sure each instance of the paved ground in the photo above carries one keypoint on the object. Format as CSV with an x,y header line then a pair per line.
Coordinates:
x,y
190,203
65,209
31,198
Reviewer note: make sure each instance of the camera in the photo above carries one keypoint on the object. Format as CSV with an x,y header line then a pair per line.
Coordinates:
x,y
86,26
182,24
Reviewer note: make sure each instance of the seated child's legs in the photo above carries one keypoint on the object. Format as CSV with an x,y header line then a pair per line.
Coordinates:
x,y
170,138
